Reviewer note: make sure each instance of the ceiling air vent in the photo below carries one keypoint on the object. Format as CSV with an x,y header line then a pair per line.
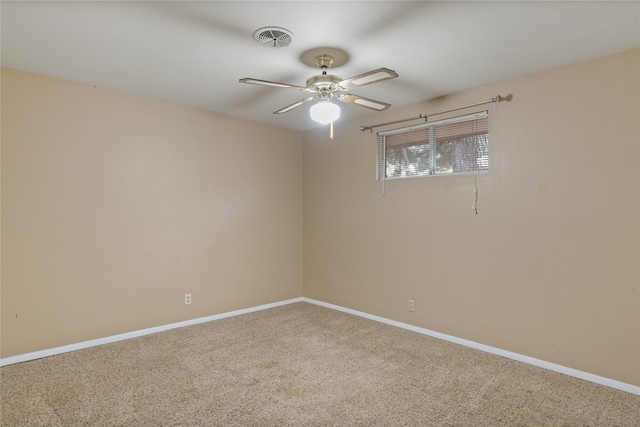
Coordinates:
x,y
273,37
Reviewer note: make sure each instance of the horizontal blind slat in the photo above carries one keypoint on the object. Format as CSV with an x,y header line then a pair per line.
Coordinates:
x,y
407,139
462,129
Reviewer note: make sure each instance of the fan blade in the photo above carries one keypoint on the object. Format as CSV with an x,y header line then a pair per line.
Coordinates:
x,y
374,76
268,83
364,102
294,105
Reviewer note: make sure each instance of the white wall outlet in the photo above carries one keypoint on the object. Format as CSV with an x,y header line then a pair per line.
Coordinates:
x,y
412,306
187,299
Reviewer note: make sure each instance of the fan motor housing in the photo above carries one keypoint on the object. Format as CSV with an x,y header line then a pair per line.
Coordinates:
x,y
323,80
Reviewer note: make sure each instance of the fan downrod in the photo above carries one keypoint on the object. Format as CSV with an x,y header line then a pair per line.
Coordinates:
x,y
323,83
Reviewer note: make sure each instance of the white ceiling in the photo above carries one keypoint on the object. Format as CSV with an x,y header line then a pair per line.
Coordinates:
x,y
194,52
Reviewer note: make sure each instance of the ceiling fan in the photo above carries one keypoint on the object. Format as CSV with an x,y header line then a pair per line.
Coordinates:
x,y
326,87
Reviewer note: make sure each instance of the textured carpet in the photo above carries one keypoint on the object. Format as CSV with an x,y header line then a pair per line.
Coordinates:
x,y
299,365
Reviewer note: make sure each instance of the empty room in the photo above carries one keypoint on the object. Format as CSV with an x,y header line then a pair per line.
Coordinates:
x,y
319,213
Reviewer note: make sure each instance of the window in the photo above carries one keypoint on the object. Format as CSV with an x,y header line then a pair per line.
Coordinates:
x,y
449,146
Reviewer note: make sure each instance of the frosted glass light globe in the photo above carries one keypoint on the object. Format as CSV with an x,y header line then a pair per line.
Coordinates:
x,y
325,112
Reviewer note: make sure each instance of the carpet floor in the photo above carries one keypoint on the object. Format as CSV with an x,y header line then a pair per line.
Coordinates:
x,y
299,365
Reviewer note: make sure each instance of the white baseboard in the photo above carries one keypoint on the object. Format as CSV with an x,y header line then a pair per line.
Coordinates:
x,y
101,341
629,388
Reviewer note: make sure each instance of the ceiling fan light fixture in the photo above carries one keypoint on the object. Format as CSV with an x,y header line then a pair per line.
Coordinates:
x,y
325,112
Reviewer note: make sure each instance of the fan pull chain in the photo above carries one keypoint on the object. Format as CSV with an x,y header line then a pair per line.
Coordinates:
x,y
331,131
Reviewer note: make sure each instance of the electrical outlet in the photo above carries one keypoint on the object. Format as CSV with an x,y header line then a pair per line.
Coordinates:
x,y
187,299
412,306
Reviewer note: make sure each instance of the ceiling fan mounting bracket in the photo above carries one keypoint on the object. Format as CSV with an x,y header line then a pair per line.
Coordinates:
x,y
324,61
339,57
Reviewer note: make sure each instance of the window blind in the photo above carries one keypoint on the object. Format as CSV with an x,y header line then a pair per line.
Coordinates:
x,y
454,145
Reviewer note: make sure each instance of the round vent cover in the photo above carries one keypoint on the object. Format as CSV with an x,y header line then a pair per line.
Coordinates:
x,y
273,37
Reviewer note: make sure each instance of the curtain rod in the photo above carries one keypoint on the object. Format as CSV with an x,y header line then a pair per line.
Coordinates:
x,y
426,116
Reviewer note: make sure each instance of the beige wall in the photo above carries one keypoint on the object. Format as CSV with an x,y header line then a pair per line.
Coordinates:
x,y
114,207
549,266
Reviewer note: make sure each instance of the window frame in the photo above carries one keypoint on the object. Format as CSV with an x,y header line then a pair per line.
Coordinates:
x,y
381,166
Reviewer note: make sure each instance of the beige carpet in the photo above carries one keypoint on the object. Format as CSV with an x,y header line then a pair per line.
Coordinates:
x,y
299,365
